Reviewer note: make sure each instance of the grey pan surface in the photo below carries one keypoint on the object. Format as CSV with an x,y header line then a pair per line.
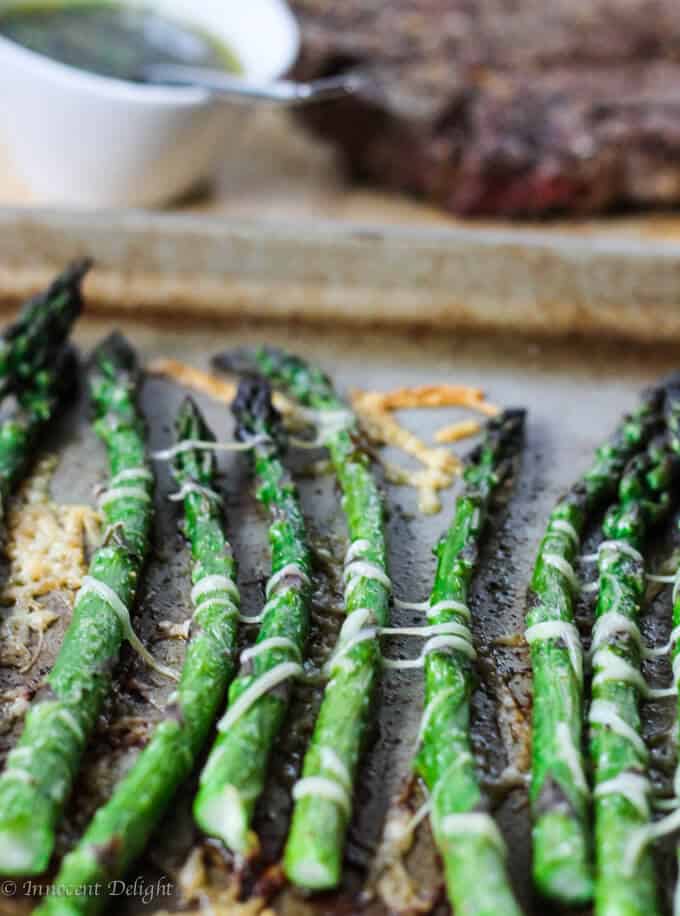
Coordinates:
x,y
574,395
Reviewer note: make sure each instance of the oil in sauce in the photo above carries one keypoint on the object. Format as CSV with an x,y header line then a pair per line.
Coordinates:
x,y
112,39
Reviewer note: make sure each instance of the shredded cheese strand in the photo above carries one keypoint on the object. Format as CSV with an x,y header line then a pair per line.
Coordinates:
x,y
190,486
563,566
567,632
116,493
604,713
210,584
433,609
675,579
437,629
362,569
290,570
633,786
338,658
411,605
330,760
450,605
256,618
105,593
565,527
614,668
190,445
320,787
356,549
436,644
225,601
613,622
354,622
260,687
429,710
475,822
131,474
571,756
614,546
643,836
274,642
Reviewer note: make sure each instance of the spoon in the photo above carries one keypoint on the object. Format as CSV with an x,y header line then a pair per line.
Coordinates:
x,y
280,92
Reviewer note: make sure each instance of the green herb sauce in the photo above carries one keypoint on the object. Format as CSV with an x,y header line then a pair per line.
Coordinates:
x,y
112,39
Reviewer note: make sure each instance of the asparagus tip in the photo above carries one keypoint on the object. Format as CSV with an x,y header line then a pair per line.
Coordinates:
x,y
253,404
115,349
238,361
513,418
76,271
69,280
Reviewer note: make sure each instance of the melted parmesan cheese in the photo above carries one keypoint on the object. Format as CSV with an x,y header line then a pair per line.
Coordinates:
x,y
374,410
463,429
210,898
441,466
47,550
430,396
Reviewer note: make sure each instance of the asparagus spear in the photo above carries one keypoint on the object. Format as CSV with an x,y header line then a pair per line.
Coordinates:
x,y
617,750
471,847
35,406
234,775
30,344
123,826
41,769
313,855
559,793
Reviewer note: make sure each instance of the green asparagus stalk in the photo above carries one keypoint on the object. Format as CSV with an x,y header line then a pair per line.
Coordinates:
x,y
313,855
618,753
469,842
30,344
124,825
42,768
235,772
559,793
35,406
673,423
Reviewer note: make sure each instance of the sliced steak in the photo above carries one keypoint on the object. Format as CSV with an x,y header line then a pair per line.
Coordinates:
x,y
505,107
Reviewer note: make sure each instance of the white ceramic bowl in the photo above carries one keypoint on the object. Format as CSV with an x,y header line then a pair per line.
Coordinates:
x,y
80,138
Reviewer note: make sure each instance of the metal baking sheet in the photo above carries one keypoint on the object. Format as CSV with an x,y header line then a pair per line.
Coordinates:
x,y
541,281
574,396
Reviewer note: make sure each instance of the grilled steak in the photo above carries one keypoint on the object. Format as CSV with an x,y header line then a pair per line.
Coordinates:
x,y
505,107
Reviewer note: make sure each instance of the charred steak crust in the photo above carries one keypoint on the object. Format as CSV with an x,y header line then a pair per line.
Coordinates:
x,y
505,107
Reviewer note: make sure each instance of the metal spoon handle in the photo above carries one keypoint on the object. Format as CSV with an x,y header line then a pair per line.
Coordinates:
x,y
281,92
